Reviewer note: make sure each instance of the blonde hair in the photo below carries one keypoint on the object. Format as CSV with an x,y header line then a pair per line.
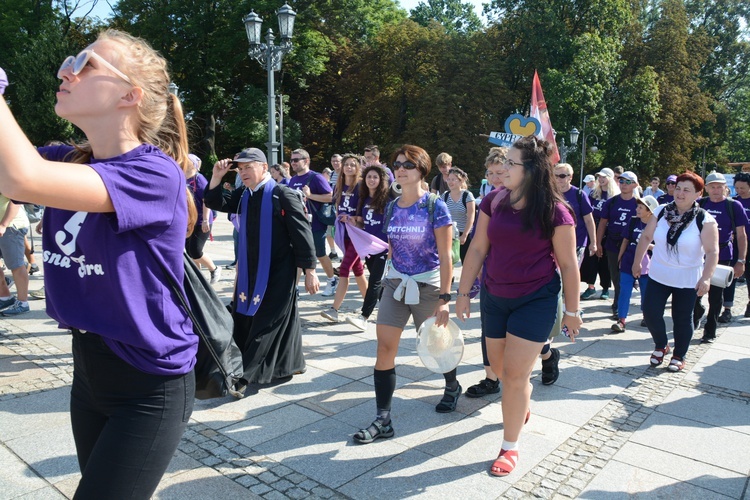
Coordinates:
x,y
612,189
497,155
443,158
160,120
568,168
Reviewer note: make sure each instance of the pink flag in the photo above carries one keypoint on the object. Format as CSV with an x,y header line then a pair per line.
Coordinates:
x,y
539,111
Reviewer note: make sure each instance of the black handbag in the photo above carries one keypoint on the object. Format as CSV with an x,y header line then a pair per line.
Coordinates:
x,y
218,369
326,214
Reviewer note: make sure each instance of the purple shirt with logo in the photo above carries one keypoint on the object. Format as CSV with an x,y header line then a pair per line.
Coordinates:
x,y
572,196
372,220
318,185
719,211
104,272
745,202
519,262
618,213
348,203
626,263
412,236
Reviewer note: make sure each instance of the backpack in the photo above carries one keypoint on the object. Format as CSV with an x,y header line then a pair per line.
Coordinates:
x,y
431,199
730,210
464,197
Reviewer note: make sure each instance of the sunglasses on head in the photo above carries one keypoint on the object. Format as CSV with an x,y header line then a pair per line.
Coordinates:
x,y
405,164
623,180
562,176
79,62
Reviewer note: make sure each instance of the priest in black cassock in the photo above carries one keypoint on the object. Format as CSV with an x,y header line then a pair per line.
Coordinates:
x,y
275,240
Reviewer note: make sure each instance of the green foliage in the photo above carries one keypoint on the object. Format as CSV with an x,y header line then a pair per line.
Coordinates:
x,y
455,15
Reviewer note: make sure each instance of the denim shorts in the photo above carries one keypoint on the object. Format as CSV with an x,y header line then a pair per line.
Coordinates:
x,y
530,317
12,247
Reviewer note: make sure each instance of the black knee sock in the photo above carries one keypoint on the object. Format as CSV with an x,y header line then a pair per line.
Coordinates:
x,y
450,380
385,385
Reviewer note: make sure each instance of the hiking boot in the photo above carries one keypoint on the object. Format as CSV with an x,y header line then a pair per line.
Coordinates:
x,y
550,368
618,327
726,316
16,309
215,275
483,388
331,287
588,294
359,322
604,295
331,314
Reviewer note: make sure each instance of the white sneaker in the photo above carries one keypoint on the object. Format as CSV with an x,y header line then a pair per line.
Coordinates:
x,y
331,314
359,322
331,287
215,274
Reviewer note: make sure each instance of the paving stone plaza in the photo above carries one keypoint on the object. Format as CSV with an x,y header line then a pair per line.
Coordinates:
x,y
610,427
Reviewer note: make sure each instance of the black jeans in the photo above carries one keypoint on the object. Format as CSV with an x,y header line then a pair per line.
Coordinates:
x,y
614,272
376,266
683,300
126,423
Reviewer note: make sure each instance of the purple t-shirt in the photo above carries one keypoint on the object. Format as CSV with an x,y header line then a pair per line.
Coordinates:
x,y
626,263
318,185
373,220
197,185
597,206
572,196
665,198
719,211
104,272
618,213
348,203
745,202
519,262
412,237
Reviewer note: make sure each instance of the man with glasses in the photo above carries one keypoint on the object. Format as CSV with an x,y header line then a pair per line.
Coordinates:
x,y
316,191
669,195
616,214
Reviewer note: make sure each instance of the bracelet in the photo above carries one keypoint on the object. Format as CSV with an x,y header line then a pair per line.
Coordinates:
x,y
741,261
576,314
459,294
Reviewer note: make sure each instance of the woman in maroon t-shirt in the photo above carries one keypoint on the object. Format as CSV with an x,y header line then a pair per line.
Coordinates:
x,y
523,234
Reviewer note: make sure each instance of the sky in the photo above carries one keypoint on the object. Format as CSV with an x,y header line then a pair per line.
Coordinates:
x,y
103,10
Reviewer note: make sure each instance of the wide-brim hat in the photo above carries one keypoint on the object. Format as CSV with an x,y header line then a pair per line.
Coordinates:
x,y
440,348
649,202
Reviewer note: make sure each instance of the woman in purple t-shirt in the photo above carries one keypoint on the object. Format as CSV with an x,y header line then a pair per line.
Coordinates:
x,y
417,283
374,194
194,244
115,224
345,196
523,234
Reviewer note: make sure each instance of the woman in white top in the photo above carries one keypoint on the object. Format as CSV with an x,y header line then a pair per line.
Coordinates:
x,y
683,234
462,207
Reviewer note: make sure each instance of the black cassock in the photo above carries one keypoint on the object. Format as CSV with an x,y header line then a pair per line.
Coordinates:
x,y
270,341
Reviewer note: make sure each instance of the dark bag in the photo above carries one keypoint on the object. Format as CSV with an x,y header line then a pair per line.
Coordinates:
x,y
326,214
218,368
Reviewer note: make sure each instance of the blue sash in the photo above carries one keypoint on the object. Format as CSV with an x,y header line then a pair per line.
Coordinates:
x,y
248,304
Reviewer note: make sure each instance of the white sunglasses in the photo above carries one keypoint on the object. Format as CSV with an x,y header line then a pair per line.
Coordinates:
x,y
79,62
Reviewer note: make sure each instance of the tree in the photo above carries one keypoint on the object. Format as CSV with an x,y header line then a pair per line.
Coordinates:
x,y
454,15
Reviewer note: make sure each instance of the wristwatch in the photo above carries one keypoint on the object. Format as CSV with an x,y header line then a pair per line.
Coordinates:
x,y
445,296
576,314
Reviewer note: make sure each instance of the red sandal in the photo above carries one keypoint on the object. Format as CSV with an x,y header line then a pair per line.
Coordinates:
x,y
505,463
657,357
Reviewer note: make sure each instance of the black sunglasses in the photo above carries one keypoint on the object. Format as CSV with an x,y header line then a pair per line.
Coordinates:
x,y
406,164
295,160
562,176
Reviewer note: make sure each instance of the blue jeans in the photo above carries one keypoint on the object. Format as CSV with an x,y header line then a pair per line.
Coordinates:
x,y
626,291
683,301
126,423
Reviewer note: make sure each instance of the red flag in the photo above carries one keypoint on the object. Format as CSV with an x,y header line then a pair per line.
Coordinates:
x,y
539,111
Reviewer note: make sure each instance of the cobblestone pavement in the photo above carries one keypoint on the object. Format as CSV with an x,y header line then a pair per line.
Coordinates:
x,y
611,427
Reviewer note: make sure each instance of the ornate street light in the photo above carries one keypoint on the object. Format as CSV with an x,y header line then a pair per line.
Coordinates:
x,y
269,56
565,150
174,89
574,135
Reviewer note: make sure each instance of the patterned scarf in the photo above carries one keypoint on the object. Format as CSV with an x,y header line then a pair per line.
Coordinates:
x,y
677,223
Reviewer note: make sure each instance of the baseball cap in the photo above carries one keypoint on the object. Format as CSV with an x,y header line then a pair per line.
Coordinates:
x,y
606,172
649,202
715,177
588,178
672,178
251,154
629,176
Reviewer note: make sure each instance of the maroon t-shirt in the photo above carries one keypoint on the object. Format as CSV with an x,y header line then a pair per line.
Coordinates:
x,y
519,262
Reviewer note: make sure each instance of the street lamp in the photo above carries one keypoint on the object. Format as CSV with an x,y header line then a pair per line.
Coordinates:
x,y
565,150
174,89
574,135
269,55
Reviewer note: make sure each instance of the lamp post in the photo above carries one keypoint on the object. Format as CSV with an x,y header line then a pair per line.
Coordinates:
x,y
574,135
269,55
174,89
565,150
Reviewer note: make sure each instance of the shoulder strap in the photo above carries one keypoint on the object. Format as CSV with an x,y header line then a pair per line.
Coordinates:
x,y
465,197
699,218
631,227
389,214
702,201
730,209
431,200
446,195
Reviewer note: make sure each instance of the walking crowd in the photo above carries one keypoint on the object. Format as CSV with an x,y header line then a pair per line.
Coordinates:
x,y
122,207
